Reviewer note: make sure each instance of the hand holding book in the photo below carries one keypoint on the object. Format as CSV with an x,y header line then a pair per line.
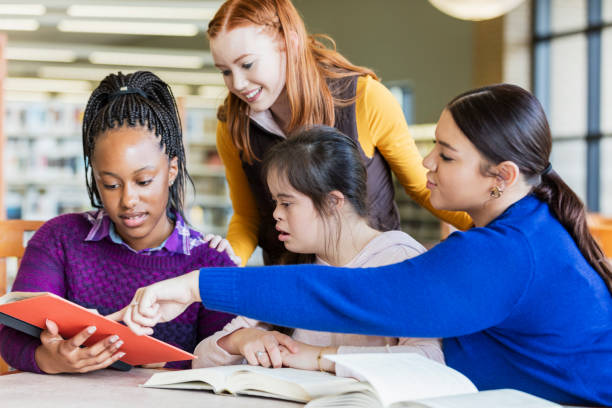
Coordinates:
x,y
59,355
29,312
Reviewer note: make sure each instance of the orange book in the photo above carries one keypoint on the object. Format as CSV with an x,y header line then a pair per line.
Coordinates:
x,y
34,307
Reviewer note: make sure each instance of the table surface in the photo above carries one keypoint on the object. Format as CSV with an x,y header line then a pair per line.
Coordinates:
x,y
119,389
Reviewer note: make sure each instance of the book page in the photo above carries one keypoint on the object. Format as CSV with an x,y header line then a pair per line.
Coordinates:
x,y
15,296
215,379
405,376
362,399
483,399
285,383
302,385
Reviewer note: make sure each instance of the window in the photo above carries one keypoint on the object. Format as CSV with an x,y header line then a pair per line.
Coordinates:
x,y
572,77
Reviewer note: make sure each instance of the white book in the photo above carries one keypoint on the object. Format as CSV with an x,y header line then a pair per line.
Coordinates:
x,y
413,381
393,380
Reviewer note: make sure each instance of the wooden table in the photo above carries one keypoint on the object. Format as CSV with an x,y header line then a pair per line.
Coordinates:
x,y
110,388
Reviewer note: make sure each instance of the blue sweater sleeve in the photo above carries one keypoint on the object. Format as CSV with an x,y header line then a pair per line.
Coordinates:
x,y
469,282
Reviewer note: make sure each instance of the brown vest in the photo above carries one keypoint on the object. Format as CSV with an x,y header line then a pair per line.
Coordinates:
x,y
384,214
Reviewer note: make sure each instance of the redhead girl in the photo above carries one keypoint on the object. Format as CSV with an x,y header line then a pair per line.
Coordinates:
x,y
281,79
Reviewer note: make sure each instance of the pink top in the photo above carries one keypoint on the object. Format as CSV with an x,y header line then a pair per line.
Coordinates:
x,y
387,248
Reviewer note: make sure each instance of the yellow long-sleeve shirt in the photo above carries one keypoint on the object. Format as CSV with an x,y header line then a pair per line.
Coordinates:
x,y
380,125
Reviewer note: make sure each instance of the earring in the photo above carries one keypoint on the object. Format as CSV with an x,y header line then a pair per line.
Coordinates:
x,y
496,192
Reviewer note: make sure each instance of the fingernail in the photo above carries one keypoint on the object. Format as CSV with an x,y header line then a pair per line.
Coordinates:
x,y
114,338
119,344
91,329
121,354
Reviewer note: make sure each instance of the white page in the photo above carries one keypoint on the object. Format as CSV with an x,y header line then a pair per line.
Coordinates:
x,y
16,296
405,376
487,399
314,383
216,378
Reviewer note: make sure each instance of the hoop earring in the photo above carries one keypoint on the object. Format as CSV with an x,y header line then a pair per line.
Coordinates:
x,y
496,192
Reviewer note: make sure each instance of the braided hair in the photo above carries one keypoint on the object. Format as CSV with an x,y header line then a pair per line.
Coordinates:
x,y
137,99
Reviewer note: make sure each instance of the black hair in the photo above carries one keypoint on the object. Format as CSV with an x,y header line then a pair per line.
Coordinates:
x,y
318,160
137,99
505,122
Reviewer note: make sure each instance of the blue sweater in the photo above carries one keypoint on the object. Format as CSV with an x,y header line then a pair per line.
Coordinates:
x,y
517,304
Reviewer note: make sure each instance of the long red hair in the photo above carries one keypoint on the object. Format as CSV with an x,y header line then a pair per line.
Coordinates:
x,y
309,67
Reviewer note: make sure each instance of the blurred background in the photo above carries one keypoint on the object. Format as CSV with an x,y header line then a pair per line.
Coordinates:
x,y
54,52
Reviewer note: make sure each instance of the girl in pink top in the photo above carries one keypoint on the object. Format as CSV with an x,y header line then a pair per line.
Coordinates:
x,y
317,180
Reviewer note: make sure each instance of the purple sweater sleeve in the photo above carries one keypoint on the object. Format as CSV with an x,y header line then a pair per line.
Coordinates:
x,y
40,271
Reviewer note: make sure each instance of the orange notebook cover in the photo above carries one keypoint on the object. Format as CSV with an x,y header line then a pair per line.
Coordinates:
x,y
34,308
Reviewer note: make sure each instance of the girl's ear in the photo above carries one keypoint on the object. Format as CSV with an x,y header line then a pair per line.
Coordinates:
x,y
172,171
335,200
507,173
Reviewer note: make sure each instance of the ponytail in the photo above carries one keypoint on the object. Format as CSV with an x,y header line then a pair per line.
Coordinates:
x,y
570,211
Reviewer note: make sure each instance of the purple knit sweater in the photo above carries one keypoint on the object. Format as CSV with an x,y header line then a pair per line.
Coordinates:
x,y
104,276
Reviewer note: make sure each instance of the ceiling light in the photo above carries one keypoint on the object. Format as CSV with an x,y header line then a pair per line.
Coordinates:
x,y
97,74
128,27
475,9
146,60
23,9
191,78
26,96
134,12
82,73
40,54
18,24
46,85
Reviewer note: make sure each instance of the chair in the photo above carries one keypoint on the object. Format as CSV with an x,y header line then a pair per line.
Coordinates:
x,y
601,229
12,246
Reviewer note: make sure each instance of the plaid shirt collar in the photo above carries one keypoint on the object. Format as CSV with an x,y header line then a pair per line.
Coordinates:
x,y
181,241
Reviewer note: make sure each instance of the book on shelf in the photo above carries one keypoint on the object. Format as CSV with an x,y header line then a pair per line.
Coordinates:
x,y
393,380
27,312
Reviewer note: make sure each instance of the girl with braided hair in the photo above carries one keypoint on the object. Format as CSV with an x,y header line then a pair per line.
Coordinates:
x,y
136,179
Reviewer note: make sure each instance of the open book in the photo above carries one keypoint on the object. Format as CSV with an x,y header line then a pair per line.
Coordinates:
x,y
27,312
410,380
399,379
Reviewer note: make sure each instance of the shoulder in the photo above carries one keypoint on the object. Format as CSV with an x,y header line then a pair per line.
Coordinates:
x,y
75,224
224,139
376,104
61,231
370,89
205,256
388,248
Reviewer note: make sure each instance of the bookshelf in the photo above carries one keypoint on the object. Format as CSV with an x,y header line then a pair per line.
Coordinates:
x,y
43,163
2,76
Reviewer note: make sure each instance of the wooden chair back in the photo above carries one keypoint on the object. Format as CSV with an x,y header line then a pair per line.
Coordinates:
x,y
601,228
12,234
